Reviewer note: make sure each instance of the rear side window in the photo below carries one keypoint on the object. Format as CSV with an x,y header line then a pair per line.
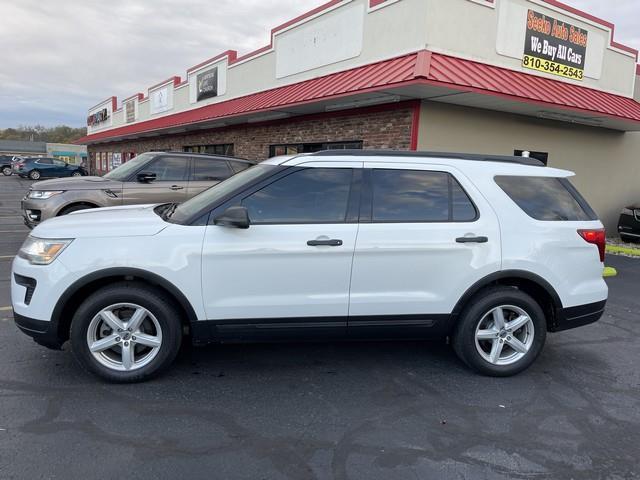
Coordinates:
x,y
415,196
205,170
547,198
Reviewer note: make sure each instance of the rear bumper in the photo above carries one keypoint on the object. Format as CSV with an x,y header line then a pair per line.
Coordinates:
x,y
574,317
43,332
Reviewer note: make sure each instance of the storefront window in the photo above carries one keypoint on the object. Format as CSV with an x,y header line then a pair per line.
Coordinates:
x,y
296,148
220,149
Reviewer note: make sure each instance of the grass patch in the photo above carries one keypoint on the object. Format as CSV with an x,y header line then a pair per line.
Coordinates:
x,y
615,249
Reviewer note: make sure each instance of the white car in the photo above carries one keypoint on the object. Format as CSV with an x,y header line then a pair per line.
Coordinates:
x,y
491,252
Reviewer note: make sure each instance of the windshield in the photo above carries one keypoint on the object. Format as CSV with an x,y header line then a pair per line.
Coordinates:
x,y
209,198
123,172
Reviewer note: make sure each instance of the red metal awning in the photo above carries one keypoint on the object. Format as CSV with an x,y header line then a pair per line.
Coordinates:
x,y
410,76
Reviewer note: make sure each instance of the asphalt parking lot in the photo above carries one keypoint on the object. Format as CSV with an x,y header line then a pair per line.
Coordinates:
x,y
404,410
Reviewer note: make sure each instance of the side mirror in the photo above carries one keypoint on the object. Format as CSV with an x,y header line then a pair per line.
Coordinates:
x,y
146,177
234,217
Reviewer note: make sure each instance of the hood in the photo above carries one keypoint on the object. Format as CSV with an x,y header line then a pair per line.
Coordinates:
x,y
128,221
77,183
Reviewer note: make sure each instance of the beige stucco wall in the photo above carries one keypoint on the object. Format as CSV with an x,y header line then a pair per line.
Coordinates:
x,y
607,163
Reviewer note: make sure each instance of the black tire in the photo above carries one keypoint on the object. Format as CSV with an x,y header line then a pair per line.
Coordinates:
x,y
34,175
464,337
165,311
76,174
7,171
626,238
74,208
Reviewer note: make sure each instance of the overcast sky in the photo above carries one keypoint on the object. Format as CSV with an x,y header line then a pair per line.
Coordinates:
x,y
60,57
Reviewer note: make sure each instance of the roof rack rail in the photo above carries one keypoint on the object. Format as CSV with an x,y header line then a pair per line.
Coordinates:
x,y
530,161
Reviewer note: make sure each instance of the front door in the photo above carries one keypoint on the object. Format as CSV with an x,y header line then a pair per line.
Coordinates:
x,y
289,272
170,184
426,236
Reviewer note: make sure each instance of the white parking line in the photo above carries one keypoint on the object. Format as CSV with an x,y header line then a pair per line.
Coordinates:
x,y
6,257
5,309
13,231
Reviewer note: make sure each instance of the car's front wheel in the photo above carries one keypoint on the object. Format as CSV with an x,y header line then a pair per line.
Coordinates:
x,y
34,175
501,332
126,332
76,174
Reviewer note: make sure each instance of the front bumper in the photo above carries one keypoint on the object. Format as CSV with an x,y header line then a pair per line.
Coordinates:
x,y
44,333
574,317
36,211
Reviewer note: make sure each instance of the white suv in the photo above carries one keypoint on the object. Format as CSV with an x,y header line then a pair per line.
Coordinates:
x,y
492,252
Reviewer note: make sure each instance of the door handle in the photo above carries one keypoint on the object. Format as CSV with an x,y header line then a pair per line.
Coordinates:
x,y
176,187
472,240
325,243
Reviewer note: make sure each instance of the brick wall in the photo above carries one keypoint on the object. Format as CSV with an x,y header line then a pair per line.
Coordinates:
x,y
378,128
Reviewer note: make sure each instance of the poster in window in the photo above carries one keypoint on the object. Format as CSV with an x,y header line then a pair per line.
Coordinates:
x,y
207,82
555,47
116,160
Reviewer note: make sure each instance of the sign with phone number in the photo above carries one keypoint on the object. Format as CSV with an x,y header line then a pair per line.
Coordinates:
x,y
554,46
552,67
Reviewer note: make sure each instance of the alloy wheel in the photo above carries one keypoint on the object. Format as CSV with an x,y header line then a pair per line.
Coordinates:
x,y
504,335
124,337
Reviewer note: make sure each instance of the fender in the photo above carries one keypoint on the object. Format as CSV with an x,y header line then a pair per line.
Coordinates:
x,y
121,272
496,276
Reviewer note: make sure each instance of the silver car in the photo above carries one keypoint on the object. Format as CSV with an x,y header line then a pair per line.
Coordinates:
x,y
154,177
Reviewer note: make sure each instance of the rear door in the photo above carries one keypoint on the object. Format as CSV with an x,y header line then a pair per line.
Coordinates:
x,y
170,184
45,167
205,173
426,235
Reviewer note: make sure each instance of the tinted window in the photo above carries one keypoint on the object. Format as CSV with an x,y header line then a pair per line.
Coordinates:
x,y
45,161
462,208
240,166
419,196
210,170
313,195
169,169
59,163
546,198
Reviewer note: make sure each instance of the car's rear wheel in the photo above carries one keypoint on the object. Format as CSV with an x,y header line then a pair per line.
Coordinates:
x,y
7,171
501,332
34,175
126,332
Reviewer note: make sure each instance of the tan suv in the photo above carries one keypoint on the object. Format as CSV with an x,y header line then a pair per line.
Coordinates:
x,y
154,177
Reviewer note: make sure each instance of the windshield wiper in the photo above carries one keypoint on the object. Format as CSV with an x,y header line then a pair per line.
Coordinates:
x,y
168,211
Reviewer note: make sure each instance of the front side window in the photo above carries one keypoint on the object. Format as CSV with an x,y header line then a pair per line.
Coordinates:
x,y
205,170
312,195
125,170
45,161
414,196
547,198
169,169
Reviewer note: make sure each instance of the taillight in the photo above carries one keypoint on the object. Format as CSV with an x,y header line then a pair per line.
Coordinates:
x,y
597,237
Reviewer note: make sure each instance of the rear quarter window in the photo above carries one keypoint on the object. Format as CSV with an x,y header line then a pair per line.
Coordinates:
x,y
547,198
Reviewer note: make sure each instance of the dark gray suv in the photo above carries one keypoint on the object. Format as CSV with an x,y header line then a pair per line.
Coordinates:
x,y
154,177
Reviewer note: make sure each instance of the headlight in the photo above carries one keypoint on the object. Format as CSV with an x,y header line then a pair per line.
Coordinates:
x,y
42,251
43,195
